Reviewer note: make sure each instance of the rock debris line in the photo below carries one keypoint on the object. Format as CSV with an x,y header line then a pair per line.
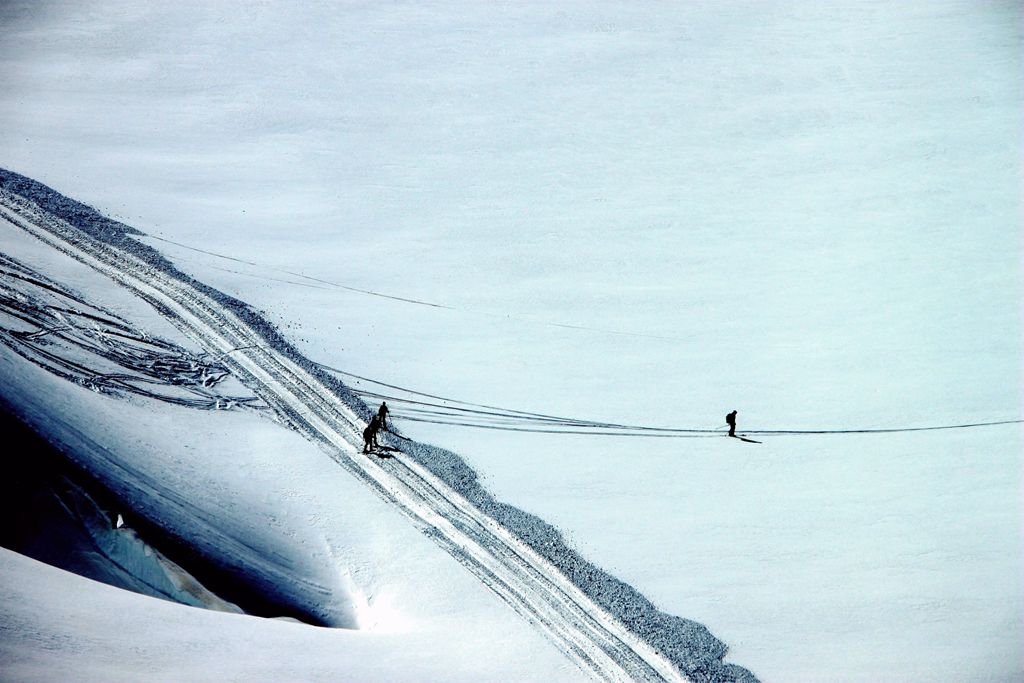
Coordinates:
x,y
606,626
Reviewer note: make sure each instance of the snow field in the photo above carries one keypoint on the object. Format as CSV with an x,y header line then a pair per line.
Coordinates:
x,y
818,205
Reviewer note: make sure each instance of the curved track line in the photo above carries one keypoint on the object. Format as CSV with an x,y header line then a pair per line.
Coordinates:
x,y
531,585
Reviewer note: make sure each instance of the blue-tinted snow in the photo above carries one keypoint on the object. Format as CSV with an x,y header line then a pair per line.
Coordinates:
x,y
817,203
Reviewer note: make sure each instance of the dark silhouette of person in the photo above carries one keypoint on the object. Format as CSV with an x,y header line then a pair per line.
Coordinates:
x,y
731,421
370,435
382,415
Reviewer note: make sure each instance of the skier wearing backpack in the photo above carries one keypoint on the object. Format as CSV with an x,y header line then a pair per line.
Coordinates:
x,y
730,419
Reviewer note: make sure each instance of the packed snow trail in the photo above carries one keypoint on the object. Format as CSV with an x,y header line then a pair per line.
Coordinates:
x,y
595,639
458,413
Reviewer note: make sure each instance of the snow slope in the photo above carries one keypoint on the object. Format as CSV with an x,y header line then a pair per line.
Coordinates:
x,y
601,623
812,210
62,627
280,521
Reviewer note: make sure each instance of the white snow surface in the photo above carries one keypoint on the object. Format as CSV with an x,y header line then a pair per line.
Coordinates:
x,y
811,209
57,622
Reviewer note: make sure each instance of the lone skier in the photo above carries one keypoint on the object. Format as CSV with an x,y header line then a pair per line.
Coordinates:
x,y
730,419
370,435
382,416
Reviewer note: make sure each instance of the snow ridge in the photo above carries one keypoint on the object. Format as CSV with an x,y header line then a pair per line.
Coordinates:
x,y
605,625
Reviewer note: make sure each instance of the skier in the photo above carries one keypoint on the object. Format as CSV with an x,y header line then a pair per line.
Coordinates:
x,y
730,419
382,415
370,435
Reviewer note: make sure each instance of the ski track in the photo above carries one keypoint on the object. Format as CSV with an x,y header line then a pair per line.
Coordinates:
x,y
64,334
527,582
